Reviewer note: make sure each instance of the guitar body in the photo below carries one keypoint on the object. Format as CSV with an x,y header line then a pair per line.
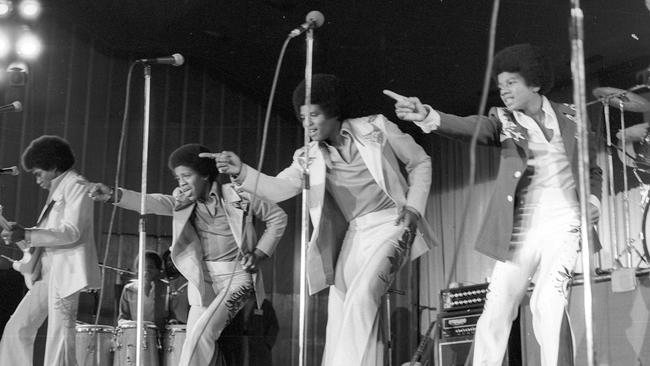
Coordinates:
x,y
29,265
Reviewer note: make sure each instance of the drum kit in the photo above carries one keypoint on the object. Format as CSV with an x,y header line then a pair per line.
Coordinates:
x,y
104,345
625,101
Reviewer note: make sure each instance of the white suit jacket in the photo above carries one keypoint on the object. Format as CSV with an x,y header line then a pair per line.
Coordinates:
x,y
382,146
67,234
186,252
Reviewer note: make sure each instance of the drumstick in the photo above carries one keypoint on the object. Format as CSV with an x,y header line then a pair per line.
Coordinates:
x,y
9,259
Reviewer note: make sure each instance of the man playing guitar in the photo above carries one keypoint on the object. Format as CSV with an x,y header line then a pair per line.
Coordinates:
x,y
65,258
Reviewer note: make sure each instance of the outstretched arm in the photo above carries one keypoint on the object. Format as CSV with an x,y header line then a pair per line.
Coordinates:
x,y
285,185
449,125
157,204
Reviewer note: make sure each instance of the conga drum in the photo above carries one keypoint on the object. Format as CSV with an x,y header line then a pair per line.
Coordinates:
x,y
125,340
172,341
93,345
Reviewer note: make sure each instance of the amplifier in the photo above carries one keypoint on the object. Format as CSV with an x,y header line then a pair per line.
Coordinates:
x,y
466,297
453,353
456,353
459,324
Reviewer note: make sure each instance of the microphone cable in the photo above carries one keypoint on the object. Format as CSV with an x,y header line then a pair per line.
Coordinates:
x,y
474,141
260,163
120,153
472,163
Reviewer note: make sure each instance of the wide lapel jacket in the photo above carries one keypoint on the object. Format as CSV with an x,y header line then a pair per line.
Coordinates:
x,y
372,136
501,130
65,230
186,250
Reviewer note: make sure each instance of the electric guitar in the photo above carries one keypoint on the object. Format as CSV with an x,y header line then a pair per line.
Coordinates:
x,y
30,264
418,352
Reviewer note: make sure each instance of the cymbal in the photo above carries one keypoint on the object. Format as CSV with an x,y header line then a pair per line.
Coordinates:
x,y
614,97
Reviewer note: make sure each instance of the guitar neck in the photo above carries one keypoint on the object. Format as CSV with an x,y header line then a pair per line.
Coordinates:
x,y
4,223
423,343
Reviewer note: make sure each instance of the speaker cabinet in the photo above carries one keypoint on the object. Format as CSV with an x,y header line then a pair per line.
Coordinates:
x,y
453,353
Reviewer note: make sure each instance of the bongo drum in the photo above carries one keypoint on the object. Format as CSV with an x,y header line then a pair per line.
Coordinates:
x,y
93,345
172,341
125,340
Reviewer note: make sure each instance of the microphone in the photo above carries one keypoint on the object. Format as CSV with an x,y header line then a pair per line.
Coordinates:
x,y
175,60
12,107
12,170
314,19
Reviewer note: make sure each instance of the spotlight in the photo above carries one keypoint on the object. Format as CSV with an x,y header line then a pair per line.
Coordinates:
x,y
5,8
28,45
29,9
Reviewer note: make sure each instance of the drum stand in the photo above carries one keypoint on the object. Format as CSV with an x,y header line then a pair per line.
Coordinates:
x,y
613,222
644,191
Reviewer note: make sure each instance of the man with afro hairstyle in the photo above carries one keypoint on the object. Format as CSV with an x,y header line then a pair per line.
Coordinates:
x,y
533,223
367,215
65,258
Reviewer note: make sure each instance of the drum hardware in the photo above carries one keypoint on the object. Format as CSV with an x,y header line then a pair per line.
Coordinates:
x,y
120,271
645,205
389,338
625,101
179,290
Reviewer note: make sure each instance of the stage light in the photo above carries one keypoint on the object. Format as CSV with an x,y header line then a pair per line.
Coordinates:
x,y
28,45
5,8
29,9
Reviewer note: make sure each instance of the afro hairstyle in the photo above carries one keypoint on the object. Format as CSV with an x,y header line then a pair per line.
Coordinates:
x,y
188,155
528,61
48,152
330,93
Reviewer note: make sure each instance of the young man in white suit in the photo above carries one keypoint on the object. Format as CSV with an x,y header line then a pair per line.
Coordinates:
x,y
364,211
66,258
533,222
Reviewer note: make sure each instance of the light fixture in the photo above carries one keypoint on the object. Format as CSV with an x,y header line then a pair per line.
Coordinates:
x,y
16,73
29,9
5,8
28,45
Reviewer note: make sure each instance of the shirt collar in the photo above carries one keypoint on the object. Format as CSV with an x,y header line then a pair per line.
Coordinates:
x,y
345,131
346,128
214,191
549,113
54,184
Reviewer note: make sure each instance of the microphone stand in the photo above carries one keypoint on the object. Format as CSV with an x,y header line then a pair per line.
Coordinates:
x,y
304,231
578,71
141,222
